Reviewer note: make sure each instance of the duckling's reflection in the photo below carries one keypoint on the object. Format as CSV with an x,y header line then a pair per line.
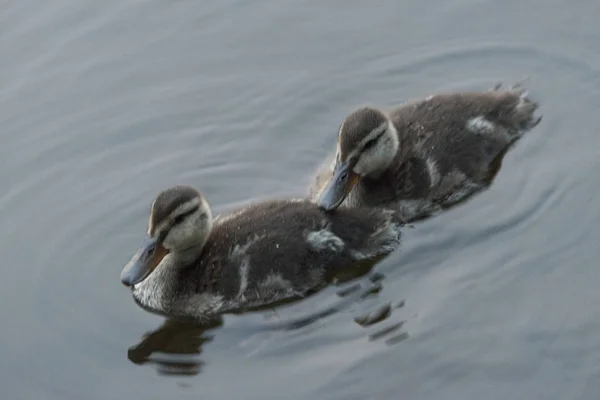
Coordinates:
x,y
174,347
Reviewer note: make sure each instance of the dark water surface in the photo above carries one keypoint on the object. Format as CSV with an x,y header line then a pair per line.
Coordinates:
x,y
104,103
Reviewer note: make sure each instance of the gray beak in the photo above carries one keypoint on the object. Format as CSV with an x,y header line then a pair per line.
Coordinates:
x,y
338,187
143,262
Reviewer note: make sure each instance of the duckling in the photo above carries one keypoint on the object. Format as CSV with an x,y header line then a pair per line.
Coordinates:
x,y
193,266
425,155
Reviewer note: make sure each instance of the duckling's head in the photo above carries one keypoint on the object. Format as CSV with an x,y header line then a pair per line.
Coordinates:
x,y
367,144
180,223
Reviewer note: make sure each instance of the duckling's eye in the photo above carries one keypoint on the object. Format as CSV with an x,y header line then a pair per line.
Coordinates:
x,y
178,219
370,144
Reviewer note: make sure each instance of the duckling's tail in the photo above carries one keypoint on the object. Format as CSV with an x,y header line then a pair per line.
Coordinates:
x,y
523,117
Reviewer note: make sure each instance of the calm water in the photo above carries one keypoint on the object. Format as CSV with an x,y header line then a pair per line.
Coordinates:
x,y
104,103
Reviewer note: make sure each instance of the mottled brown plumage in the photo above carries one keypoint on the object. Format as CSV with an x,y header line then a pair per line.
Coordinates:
x,y
444,148
255,255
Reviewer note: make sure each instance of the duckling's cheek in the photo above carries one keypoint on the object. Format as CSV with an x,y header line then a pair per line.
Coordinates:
x,y
359,168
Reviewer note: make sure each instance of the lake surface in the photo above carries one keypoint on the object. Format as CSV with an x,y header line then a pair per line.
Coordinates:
x,y
104,103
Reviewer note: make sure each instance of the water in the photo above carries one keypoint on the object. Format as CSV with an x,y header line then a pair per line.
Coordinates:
x,y
105,103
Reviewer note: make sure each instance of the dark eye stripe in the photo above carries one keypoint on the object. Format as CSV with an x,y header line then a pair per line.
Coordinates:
x,y
178,219
371,142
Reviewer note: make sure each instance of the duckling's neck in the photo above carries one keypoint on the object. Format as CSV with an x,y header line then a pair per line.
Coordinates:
x,y
158,291
155,291
356,197
187,256
370,192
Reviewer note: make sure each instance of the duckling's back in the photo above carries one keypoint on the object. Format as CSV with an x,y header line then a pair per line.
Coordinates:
x,y
464,132
282,248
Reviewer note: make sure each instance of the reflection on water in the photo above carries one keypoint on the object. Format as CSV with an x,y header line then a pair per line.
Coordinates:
x,y
174,347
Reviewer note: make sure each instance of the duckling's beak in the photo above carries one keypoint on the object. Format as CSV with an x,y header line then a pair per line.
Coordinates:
x,y
338,187
143,262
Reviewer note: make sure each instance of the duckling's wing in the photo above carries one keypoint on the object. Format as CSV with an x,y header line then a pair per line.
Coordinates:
x,y
367,232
